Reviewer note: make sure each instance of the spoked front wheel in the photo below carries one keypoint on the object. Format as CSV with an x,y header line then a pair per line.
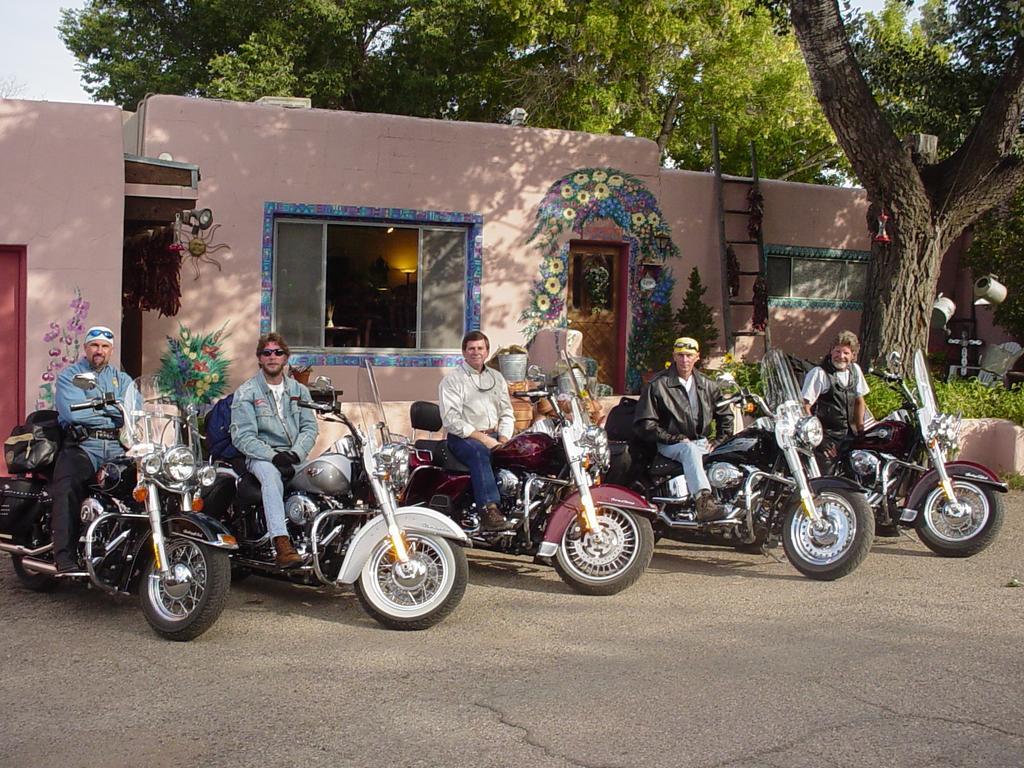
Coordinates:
x,y
188,601
416,594
837,543
963,528
609,560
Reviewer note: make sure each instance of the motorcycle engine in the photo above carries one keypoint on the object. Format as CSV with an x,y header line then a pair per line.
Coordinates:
x,y
91,509
723,475
300,509
508,485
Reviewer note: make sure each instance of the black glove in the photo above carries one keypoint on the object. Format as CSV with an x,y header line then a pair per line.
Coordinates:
x,y
285,462
679,438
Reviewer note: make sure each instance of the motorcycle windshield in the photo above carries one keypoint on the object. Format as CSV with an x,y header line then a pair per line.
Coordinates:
x,y
154,417
929,408
780,385
370,414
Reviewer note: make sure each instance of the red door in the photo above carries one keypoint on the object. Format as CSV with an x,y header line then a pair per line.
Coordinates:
x,y
12,326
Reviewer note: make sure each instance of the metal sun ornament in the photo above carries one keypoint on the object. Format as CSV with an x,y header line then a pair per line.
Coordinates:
x,y
195,231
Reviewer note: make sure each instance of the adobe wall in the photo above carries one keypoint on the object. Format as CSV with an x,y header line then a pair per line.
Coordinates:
x,y
250,154
62,196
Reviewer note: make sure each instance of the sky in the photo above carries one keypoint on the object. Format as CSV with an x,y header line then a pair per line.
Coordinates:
x,y
35,59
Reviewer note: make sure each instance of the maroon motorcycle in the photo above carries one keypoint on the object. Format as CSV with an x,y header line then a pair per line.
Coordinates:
x,y
956,506
598,537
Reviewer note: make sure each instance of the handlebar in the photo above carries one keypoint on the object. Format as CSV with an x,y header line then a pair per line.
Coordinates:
x,y
86,406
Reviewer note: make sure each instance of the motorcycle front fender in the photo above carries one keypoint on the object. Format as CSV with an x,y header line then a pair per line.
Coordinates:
x,y
195,525
603,495
977,473
411,519
837,483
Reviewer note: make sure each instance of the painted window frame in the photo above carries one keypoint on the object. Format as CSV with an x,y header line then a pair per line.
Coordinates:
x,y
794,252
366,215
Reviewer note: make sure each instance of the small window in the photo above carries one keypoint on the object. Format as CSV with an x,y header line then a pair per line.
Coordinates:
x,y
369,285
809,278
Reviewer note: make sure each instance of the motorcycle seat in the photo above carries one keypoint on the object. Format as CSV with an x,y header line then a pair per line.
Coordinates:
x,y
441,456
662,467
248,491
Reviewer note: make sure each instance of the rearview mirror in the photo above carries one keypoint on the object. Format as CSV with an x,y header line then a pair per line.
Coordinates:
x,y
894,361
85,381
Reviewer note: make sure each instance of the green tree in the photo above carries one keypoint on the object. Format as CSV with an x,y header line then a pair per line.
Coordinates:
x,y
695,318
930,202
655,68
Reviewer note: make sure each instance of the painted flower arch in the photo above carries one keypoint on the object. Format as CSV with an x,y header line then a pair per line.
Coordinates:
x,y
586,196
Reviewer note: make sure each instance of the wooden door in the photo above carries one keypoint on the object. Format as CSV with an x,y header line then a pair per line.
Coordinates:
x,y
12,322
595,306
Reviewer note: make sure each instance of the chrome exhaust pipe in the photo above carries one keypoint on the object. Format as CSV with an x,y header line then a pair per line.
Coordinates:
x,y
17,549
39,566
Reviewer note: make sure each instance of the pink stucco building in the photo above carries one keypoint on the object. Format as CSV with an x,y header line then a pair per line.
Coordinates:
x,y
382,237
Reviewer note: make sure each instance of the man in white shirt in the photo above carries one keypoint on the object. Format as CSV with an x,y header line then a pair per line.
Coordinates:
x,y
477,412
834,392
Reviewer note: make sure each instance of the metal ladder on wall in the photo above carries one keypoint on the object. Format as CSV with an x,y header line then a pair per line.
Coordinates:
x,y
740,256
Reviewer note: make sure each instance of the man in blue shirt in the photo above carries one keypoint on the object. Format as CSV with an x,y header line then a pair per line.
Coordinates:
x,y
90,438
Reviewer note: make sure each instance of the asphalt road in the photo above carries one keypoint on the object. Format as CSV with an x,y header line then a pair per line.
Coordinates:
x,y
715,659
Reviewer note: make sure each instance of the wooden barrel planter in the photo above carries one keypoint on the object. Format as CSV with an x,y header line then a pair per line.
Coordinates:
x,y
522,410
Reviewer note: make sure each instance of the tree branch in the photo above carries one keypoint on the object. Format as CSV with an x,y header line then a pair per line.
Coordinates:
x,y
875,152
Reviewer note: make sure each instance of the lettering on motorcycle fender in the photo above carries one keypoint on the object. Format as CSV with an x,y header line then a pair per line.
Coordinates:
x,y
974,476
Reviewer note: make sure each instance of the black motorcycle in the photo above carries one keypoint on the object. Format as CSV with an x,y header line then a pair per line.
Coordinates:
x,y
142,527
766,479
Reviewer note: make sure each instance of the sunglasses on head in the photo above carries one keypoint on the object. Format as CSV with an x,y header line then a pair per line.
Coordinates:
x,y
273,353
97,333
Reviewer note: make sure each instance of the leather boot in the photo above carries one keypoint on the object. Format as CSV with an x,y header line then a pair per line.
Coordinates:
x,y
491,519
287,557
707,508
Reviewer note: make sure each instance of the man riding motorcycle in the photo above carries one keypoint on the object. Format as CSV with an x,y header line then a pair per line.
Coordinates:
x,y
91,437
274,434
675,411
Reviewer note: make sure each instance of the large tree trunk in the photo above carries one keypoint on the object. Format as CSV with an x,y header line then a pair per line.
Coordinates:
x,y
928,206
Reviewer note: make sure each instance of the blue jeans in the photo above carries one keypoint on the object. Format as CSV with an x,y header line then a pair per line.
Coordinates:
x,y
477,457
272,488
691,455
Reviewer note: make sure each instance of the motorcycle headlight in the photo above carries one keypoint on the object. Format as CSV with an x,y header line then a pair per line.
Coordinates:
x,y
151,464
207,475
393,462
809,431
945,428
180,464
787,417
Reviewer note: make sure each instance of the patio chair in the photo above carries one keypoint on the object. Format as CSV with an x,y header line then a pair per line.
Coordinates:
x,y
996,361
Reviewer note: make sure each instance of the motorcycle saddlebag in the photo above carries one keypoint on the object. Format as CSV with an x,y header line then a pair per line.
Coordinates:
x,y
22,503
34,444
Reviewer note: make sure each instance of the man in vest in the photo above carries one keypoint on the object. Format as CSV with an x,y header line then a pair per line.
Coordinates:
x,y
834,392
675,412
274,434
91,437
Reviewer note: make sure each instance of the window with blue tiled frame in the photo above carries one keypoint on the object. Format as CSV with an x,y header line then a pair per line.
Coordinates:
x,y
346,283
826,278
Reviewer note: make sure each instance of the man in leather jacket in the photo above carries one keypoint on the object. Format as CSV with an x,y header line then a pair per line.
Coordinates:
x,y
834,392
91,437
675,412
274,434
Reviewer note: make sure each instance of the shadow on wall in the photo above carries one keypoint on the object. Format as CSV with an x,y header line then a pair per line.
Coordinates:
x,y
806,333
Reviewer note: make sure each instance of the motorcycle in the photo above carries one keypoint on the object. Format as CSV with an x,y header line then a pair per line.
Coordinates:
x,y
144,530
406,565
598,537
765,476
901,464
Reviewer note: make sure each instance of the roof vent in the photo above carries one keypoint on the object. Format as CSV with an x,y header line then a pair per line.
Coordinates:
x,y
288,102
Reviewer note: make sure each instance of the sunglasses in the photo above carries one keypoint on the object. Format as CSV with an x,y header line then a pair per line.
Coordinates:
x,y
95,334
273,353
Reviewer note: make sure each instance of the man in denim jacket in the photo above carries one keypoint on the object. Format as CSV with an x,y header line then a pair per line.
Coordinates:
x,y
274,434
91,437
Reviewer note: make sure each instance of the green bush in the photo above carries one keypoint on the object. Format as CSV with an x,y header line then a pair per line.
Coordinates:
x,y
968,397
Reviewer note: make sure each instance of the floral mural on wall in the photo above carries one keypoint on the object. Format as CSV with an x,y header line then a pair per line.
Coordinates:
x,y
586,196
65,345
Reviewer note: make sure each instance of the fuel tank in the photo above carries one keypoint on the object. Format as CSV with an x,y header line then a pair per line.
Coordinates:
x,y
530,452
329,474
886,437
750,446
